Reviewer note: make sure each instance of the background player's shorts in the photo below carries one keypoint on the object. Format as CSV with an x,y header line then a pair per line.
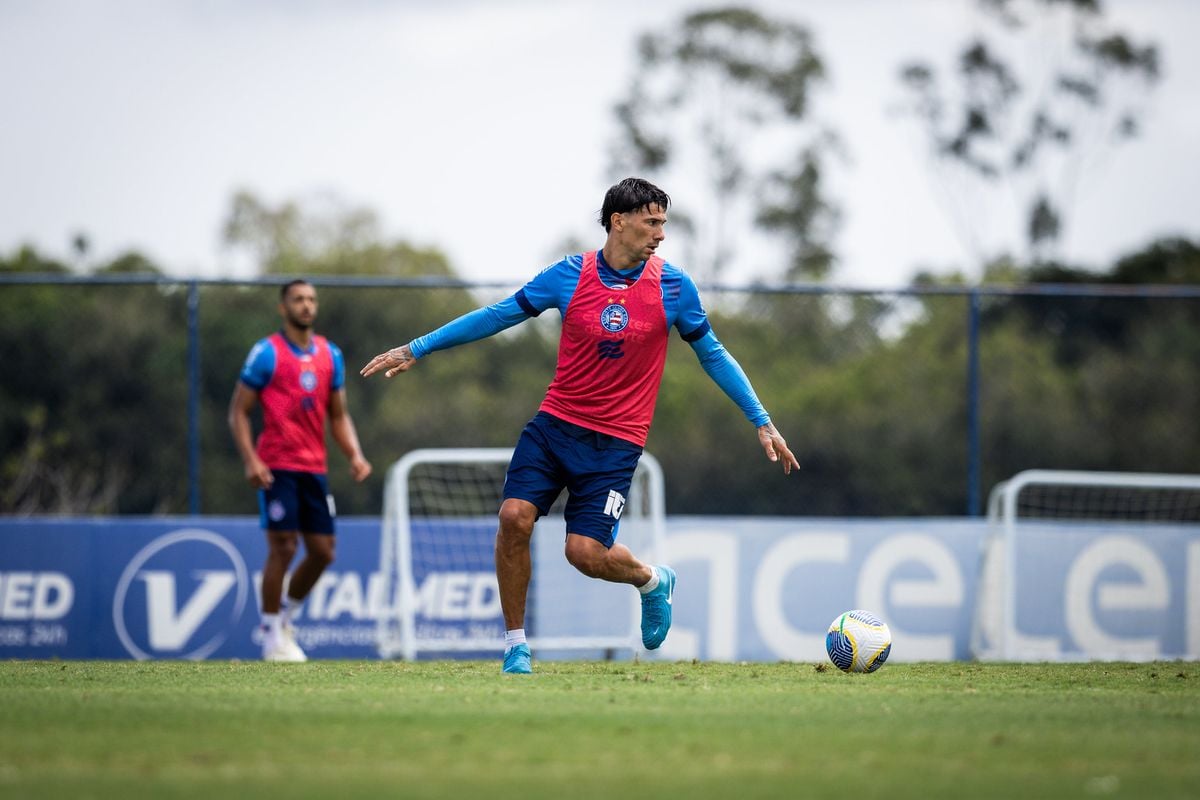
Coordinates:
x,y
596,469
297,501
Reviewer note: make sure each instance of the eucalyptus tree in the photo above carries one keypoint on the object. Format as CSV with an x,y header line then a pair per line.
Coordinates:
x,y
720,112
1035,100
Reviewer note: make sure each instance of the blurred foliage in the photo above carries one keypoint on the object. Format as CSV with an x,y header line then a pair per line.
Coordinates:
x,y
1002,123
725,97
869,389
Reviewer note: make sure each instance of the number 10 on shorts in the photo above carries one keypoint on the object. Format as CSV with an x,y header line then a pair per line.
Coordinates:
x,y
615,504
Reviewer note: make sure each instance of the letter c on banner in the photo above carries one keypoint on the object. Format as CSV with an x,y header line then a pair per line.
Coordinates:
x,y
944,590
773,625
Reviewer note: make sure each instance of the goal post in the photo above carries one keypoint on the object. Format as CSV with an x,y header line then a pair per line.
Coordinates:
x,y
1090,565
437,564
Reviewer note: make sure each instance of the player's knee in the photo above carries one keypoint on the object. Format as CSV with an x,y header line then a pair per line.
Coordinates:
x,y
323,557
586,555
283,549
516,521
323,554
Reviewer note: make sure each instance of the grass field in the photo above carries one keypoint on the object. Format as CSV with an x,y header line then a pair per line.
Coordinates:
x,y
589,730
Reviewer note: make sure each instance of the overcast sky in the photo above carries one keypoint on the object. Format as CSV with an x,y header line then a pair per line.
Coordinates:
x,y
482,128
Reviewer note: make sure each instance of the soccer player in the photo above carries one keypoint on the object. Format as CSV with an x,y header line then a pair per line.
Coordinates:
x,y
299,378
618,305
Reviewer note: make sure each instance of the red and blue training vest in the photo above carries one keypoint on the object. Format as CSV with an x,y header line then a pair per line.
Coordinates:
x,y
611,354
294,404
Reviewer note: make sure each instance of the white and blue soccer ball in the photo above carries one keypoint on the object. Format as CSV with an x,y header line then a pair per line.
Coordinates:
x,y
858,641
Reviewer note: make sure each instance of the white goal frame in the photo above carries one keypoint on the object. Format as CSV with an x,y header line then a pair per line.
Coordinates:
x,y
397,634
994,634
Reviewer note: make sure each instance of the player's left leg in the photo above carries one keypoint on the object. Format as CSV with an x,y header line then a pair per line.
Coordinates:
x,y
320,549
616,564
316,515
599,486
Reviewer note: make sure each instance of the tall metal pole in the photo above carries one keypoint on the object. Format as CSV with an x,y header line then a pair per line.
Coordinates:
x,y
973,455
193,305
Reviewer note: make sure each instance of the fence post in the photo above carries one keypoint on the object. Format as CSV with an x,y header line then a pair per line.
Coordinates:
x,y
193,412
973,457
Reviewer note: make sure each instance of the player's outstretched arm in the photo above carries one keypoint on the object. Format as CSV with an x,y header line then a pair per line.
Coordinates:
x,y
777,449
397,360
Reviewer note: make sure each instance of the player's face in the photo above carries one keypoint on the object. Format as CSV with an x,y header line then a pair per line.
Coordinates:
x,y
643,230
299,306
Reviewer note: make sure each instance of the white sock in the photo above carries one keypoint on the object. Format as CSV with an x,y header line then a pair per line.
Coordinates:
x,y
271,623
652,584
291,609
514,637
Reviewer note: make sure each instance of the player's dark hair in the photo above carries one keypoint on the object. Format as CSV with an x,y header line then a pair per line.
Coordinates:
x,y
287,287
631,194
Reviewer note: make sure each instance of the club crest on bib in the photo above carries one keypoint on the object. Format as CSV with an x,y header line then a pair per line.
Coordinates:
x,y
614,318
308,380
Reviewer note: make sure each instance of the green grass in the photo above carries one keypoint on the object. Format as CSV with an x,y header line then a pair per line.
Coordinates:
x,y
598,730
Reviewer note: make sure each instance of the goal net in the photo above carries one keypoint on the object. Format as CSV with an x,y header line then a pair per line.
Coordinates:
x,y
438,568
1090,565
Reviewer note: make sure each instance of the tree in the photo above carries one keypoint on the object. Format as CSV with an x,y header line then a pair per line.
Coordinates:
x,y
322,236
1032,127
93,413
725,99
469,396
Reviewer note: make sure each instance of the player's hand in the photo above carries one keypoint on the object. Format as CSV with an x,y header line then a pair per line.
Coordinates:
x,y
259,475
777,449
360,468
397,360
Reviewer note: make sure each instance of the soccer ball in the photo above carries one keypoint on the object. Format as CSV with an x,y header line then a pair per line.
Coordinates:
x,y
858,641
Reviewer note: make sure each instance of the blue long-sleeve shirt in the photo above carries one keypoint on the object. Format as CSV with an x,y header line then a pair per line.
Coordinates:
x,y
554,286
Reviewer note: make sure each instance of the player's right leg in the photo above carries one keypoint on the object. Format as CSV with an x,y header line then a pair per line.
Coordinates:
x,y
513,563
278,507
513,570
530,487
281,549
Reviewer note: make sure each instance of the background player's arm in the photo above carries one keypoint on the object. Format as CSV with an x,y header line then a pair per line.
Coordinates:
x,y
344,433
240,406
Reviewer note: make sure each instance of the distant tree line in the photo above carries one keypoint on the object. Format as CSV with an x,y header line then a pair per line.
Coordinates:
x,y
869,389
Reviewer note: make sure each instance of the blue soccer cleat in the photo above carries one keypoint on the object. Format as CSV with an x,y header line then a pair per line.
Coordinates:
x,y
516,660
656,609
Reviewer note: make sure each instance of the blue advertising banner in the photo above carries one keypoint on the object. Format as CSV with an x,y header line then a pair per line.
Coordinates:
x,y
170,588
767,589
751,589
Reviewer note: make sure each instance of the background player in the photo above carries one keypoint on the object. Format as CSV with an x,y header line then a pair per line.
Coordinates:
x,y
299,379
618,305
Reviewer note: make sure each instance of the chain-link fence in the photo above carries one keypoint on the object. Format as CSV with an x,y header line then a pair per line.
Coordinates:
x,y
897,402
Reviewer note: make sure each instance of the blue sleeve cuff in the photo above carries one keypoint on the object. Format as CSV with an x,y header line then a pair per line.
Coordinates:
x,y
697,334
524,303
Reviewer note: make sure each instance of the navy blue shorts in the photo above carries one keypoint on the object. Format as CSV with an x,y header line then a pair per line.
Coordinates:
x,y
297,501
596,470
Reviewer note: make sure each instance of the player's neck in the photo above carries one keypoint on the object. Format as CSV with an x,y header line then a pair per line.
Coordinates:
x,y
301,337
619,260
